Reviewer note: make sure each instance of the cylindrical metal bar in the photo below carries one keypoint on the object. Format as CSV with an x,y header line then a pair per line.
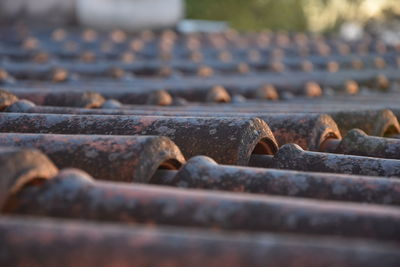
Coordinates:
x,y
203,173
73,194
294,82
90,99
376,121
120,158
57,98
227,140
38,72
356,142
28,241
307,130
293,157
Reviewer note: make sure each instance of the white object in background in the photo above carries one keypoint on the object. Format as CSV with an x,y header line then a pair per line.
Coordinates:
x,y
351,31
209,26
129,15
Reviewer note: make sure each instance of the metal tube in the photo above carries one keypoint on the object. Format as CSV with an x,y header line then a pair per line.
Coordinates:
x,y
56,98
307,130
73,194
293,157
356,142
28,241
227,140
203,173
120,158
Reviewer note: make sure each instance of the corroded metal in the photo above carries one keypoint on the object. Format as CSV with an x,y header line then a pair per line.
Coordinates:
x,y
356,142
203,173
19,168
373,122
119,158
309,131
73,194
227,140
28,241
38,72
293,157
61,98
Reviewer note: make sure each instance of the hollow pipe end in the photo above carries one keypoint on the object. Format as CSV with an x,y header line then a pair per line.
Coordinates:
x,y
21,167
324,129
386,124
91,100
218,94
312,89
160,98
7,99
268,92
157,153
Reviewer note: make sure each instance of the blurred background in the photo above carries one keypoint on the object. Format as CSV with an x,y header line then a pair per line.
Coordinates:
x,y
349,17
298,15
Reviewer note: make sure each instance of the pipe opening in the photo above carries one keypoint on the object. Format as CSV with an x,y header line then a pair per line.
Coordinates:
x,y
391,132
35,182
12,201
166,172
329,145
262,155
265,147
170,164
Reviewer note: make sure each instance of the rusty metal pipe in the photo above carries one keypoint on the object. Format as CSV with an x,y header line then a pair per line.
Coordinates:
x,y
373,122
356,142
28,241
59,98
73,194
309,131
378,122
203,173
293,157
120,158
227,140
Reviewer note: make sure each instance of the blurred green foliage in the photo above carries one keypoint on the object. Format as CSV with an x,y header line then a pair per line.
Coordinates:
x,y
251,14
298,15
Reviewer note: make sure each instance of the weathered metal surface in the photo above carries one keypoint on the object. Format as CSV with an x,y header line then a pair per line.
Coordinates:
x,y
151,81
309,131
373,122
356,142
227,140
378,122
117,158
73,194
38,72
19,168
59,98
51,242
203,173
293,157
